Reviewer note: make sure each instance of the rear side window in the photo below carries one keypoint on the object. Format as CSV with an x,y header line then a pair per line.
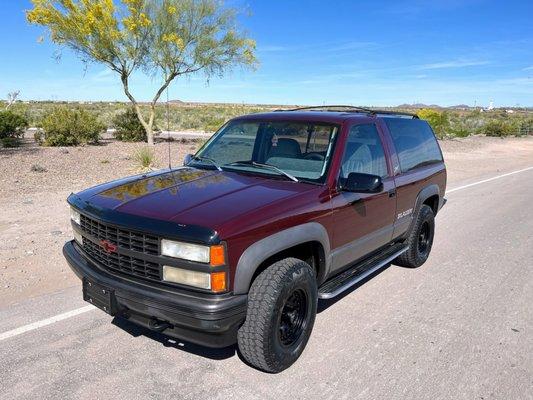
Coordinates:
x,y
415,143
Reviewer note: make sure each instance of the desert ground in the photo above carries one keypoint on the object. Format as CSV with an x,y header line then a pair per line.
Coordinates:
x,y
35,181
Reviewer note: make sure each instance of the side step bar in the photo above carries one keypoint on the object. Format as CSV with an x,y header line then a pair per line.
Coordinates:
x,y
358,272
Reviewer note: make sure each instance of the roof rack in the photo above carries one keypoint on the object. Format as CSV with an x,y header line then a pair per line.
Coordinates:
x,y
343,108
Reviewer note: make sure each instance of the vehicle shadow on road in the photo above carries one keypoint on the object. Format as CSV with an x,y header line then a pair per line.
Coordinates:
x,y
226,352
207,352
323,305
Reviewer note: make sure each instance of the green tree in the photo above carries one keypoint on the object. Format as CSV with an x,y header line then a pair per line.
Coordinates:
x,y
163,38
439,121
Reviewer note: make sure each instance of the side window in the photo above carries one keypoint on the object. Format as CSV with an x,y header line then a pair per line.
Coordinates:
x,y
364,152
415,143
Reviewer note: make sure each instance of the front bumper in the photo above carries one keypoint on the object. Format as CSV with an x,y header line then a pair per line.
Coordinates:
x,y
208,320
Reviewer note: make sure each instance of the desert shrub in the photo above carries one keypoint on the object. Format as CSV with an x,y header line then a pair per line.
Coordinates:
x,y
128,127
464,124
213,124
438,120
38,168
524,127
70,127
459,131
498,127
12,126
144,158
10,142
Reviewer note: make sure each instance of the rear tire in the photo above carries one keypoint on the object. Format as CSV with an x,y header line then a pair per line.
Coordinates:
x,y
281,313
420,240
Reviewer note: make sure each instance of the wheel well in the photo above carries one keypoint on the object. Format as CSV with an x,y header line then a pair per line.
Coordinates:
x,y
433,202
310,252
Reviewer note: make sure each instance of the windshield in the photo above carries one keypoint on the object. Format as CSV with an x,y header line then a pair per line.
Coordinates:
x,y
288,149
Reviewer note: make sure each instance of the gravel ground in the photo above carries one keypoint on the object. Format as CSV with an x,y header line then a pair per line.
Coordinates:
x,y
35,181
34,222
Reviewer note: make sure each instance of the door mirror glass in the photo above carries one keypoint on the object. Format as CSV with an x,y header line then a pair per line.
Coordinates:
x,y
187,159
363,183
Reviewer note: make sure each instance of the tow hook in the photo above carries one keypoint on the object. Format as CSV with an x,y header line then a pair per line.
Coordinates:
x,y
158,326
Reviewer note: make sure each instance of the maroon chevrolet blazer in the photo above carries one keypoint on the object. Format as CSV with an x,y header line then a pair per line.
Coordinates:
x,y
273,213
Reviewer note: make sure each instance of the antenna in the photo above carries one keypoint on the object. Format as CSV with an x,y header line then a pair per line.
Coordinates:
x,y
168,132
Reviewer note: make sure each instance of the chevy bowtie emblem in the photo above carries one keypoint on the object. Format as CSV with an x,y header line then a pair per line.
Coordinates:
x,y
108,246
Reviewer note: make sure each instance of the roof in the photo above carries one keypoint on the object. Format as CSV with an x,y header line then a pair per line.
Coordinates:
x,y
326,114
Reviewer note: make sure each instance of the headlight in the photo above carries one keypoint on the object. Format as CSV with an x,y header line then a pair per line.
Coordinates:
x,y
186,277
75,216
186,251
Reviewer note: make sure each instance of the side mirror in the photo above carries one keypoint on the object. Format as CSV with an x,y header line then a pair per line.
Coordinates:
x,y
187,159
363,183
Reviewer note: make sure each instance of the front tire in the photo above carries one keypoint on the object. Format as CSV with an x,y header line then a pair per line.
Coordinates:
x,y
281,313
420,239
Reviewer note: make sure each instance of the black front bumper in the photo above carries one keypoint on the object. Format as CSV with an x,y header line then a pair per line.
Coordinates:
x,y
208,320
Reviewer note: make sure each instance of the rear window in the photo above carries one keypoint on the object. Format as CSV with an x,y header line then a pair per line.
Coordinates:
x,y
415,143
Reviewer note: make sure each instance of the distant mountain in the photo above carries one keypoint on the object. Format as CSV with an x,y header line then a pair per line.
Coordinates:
x,y
422,105
418,105
460,107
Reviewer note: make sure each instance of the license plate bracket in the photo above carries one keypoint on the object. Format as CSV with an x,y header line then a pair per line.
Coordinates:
x,y
99,296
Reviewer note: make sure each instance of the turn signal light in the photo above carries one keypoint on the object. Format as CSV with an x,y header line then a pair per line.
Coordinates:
x,y
217,255
218,281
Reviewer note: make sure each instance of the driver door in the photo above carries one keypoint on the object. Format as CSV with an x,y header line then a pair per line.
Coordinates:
x,y
363,221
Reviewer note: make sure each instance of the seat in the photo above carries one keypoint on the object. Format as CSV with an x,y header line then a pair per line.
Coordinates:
x,y
360,160
285,148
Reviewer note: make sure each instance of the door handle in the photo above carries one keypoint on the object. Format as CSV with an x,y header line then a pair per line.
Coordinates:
x,y
392,192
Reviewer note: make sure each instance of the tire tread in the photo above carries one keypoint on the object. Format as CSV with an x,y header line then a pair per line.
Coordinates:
x,y
410,258
253,337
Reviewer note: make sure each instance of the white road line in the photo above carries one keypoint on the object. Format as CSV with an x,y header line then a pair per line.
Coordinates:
x,y
44,322
78,311
487,180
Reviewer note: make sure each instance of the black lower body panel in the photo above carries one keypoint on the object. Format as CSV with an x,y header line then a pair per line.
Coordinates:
x,y
208,320
359,271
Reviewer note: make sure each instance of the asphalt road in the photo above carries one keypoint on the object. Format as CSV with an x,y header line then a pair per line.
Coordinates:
x,y
459,327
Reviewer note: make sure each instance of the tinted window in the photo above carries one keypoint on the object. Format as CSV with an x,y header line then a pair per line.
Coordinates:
x,y
364,152
302,149
414,141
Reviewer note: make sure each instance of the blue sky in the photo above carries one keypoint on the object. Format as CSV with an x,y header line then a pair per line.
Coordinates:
x,y
313,52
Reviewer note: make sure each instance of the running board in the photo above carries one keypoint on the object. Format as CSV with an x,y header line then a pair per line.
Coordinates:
x,y
358,272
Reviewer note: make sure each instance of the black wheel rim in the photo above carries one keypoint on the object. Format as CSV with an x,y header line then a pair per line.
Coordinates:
x,y
293,317
424,239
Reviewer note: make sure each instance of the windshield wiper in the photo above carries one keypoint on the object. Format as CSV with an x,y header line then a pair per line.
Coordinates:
x,y
203,158
265,166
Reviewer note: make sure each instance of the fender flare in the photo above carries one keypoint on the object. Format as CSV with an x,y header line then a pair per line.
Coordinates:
x,y
261,250
425,194
422,196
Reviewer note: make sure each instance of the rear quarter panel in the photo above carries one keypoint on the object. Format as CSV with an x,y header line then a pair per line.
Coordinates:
x,y
409,185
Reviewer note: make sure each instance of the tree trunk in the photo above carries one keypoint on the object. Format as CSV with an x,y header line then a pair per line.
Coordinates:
x,y
148,126
149,135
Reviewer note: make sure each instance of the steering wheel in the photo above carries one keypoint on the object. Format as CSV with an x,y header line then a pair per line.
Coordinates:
x,y
314,156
